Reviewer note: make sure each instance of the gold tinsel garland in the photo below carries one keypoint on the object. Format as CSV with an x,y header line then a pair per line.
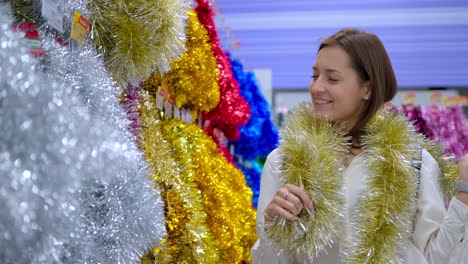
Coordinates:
x,y
225,194
188,239
193,78
312,152
383,219
388,207
27,11
449,169
138,37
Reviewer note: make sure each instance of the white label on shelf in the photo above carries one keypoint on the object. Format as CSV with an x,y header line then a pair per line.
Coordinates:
x,y
177,112
168,109
51,12
159,102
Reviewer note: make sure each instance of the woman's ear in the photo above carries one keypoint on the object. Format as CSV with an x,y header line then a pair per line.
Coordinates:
x,y
366,90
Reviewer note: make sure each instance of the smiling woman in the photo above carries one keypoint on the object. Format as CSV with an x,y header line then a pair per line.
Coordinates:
x,y
377,198
342,87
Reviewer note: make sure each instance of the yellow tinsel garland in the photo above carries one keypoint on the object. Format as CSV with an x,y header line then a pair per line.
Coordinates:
x,y
193,78
310,150
449,169
188,239
138,37
225,194
388,207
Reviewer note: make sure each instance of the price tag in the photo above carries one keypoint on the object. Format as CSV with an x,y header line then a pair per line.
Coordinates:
x,y
232,149
464,100
449,100
159,102
80,27
168,109
435,97
51,12
200,121
189,116
221,137
183,114
177,112
409,98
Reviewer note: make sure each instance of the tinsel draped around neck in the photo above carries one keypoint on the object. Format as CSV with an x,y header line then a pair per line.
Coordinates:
x,y
312,152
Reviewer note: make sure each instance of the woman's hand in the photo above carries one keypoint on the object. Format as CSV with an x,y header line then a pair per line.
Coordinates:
x,y
288,202
463,196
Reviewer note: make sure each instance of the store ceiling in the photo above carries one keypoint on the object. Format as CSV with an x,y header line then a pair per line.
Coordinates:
x,y
427,40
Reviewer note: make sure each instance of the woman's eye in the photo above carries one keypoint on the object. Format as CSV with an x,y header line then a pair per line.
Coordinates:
x,y
332,80
314,77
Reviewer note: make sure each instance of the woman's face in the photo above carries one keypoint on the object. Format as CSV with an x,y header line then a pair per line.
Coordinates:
x,y
336,89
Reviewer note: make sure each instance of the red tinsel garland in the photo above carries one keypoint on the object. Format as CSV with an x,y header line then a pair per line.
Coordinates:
x,y
233,110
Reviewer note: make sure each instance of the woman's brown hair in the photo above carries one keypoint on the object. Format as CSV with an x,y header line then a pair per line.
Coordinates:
x,y
372,63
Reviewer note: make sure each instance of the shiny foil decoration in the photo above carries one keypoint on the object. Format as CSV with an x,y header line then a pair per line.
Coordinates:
x,y
225,194
67,163
312,152
188,239
138,37
420,118
193,79
259,136
446,125
232,111
446,129
122,224
38,214
220,140
313,149
252,170
415,115
130,100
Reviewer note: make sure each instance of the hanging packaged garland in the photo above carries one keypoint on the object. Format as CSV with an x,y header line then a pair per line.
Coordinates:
x,y
193,79
188,237
225,194
232,111
259,136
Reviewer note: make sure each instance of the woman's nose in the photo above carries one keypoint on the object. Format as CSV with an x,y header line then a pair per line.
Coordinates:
x,y
317,85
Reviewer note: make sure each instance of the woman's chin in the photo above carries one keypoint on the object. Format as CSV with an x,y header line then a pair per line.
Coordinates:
x,y
325,115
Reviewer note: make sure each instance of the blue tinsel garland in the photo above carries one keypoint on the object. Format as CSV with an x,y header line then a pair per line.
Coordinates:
x,y
259,136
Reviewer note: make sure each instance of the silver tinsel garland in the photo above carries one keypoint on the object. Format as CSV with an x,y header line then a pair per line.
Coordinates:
x,y
74,188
